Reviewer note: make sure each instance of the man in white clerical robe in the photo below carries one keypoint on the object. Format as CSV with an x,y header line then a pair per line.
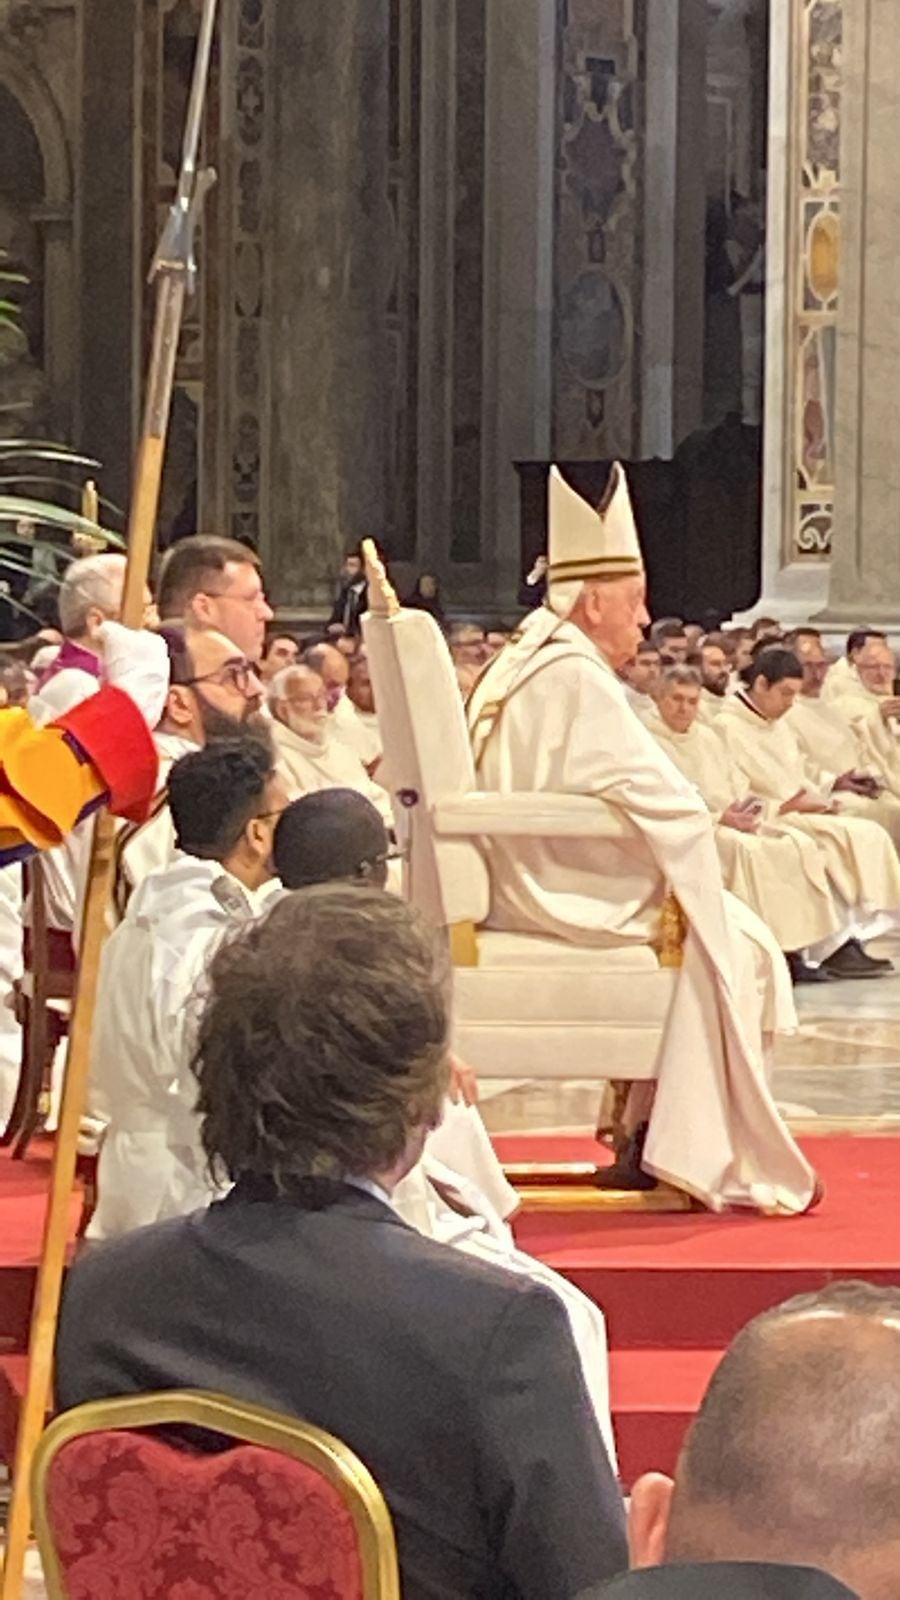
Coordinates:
x,y
551,715
310,758
860,858
641,677
715,675
778,873
868,703
857,773
842,673
225,801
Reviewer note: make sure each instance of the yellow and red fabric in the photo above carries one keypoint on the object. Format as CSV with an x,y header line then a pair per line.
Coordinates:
x,y
100,751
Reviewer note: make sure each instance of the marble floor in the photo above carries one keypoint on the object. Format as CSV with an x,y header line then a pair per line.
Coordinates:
x,y
841,1070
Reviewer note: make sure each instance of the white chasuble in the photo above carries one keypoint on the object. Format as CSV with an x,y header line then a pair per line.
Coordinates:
x,y
833,742
860,858
778,873
565,727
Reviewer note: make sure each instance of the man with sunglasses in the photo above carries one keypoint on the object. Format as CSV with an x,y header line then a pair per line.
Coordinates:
x,y
225,802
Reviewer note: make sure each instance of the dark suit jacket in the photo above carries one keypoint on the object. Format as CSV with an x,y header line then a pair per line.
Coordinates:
x,y
723,1580
457,1383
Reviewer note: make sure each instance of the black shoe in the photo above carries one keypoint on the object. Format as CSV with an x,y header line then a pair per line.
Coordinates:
x,y
627,1172
802,972
851,961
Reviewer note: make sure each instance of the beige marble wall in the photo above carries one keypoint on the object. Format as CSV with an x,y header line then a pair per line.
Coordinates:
x,y
865,567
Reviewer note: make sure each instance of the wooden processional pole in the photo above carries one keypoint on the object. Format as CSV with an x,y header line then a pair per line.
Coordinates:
x,y
173,274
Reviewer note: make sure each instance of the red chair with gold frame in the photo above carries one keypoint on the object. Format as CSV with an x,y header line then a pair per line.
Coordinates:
x,y
286,1509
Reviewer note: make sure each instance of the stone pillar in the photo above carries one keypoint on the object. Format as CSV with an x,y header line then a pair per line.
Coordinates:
x,y
519,211
329,274
807,120
674,184
109,231
865,565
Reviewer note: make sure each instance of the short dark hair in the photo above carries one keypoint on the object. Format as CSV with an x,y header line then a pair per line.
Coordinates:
x,y
774,664
861,636
666,628
322,1046
214,793
330,835
647,648
763,622
792,639
192,564
778,1403
273,638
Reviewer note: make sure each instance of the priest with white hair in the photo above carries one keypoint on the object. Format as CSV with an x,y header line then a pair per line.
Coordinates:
x,y
310,755
550,715
777,871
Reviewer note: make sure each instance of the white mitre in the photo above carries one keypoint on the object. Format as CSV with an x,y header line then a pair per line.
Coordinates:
x,y
588,544
585,544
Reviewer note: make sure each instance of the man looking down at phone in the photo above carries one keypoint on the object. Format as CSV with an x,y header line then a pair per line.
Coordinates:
x,y
860,859
778,872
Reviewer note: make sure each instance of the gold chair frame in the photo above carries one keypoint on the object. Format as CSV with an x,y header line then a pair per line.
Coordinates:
x,y
247,1424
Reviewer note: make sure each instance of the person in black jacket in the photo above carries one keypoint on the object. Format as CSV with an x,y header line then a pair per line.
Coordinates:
x,y
322,1059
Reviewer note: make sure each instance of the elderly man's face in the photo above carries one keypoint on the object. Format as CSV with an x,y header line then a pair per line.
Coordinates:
x,y
304,706
614,616
643,672
334,672
716,671
678,706
815,665
877,668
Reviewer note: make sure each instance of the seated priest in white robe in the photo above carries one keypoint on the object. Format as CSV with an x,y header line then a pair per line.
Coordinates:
x,y
860,775
310,757
860,858
842,673
225,802
715,676
868,703
344,723
780,874
457,1193
641,677
550,715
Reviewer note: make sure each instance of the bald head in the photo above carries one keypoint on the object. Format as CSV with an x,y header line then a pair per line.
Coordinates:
x,y
793,1455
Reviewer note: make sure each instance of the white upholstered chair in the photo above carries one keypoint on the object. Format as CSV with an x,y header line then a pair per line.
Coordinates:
x,y
524,1006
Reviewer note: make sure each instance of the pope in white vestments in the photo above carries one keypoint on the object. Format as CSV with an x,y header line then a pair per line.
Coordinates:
x,y
550,715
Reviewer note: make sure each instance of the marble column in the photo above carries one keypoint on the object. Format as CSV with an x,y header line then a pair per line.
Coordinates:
x,y
674,183
328,273
519,212
865,564
807,118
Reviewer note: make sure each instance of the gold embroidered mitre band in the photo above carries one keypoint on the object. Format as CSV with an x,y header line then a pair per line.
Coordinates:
x,y
588,543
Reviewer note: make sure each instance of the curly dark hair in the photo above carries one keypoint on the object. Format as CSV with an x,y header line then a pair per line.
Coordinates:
x,y
322,1047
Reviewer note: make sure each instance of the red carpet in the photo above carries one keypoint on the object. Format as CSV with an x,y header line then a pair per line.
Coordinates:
x,y
676,1289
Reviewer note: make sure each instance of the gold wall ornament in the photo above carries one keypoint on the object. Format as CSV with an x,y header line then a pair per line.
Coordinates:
x,y
672,932
383,600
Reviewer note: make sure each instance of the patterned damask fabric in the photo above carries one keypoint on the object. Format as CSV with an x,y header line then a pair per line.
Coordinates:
x,y
136,1519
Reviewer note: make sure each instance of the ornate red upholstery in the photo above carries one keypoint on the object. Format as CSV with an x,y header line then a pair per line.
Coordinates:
x,y
135,1518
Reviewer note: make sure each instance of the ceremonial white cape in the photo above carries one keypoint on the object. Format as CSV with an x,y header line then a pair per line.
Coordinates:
x,y
566,727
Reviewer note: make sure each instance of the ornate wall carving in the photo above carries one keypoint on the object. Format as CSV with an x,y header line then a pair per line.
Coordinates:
x,y
598,236
814,282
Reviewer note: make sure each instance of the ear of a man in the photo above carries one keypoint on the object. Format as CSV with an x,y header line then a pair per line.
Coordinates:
x,y
648,1519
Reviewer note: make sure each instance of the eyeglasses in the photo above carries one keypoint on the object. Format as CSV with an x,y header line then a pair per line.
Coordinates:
x,y
259,598
233,675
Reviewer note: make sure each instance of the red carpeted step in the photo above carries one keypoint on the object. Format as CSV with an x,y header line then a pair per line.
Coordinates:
x,y
13,1374
694,1279
655,1393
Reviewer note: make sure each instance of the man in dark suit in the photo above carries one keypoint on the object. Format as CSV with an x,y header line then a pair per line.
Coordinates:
x,y
790,1464
322,1061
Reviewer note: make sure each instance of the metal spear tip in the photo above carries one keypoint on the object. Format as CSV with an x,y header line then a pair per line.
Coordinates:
x,y
175,251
